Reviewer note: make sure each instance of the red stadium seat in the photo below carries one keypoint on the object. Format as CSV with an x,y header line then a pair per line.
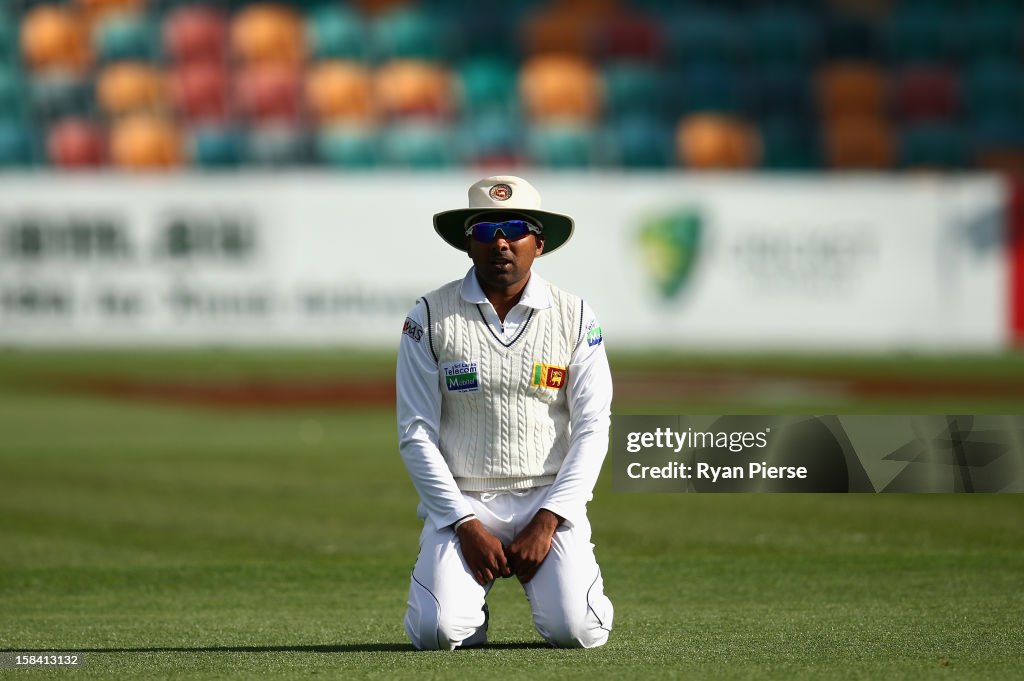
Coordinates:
x,y
200,91
269,92
926,93
631,35
76,143
196,33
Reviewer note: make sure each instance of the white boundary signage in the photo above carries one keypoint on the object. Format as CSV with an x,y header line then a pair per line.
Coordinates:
x,y
738,262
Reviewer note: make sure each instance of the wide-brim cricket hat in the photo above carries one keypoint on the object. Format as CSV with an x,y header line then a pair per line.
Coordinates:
x,y
503,193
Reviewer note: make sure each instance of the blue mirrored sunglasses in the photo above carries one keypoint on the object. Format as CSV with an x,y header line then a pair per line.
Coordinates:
x,y
511,230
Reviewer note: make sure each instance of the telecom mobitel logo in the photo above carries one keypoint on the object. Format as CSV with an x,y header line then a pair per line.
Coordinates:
x,y
669,247
461,376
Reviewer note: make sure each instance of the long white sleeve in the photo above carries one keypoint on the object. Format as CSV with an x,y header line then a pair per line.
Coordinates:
x,y
418,407
590,398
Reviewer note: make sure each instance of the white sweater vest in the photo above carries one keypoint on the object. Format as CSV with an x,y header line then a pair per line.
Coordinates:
x,y
504,415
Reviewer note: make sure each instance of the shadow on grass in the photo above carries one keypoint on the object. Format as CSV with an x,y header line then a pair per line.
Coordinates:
x,y
340,648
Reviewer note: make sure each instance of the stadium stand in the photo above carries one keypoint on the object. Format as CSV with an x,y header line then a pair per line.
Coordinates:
x,y
776,85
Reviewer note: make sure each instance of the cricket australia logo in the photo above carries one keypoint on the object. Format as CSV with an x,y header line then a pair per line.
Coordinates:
x,y
548,376
461,377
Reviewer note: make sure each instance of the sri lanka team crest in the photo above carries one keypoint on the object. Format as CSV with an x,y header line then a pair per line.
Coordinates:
x,y
548,376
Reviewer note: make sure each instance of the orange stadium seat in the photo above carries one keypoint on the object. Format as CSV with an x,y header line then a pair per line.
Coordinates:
x,y
76,143
127,87
269,92
560,31
560,87
90,10
53,38
408,87
715,142
339,90
851,89
268,33
199,91
196,33
145,142
859,143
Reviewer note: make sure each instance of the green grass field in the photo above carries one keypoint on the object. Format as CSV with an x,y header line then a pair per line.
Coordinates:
x,y
172,540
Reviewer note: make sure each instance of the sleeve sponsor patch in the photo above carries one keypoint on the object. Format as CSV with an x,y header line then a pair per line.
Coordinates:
x,y
594,336
548,376
412,330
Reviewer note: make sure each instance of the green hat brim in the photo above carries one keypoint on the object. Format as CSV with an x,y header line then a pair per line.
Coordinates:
x,y
451,225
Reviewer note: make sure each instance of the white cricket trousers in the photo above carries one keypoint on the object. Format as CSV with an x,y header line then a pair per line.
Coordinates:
x,y
447,607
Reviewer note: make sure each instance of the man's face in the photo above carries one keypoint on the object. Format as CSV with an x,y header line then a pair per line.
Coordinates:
x,y
503,263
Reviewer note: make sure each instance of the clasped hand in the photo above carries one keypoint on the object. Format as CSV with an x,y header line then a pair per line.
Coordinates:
x,y
488,559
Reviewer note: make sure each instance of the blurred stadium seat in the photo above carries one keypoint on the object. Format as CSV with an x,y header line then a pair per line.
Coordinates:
x,y
347,145
215,146
859,142
339,90
199,91
269,91
852,88
127,87
933,146
124,36
419,144
16,148
52,38
559,87
413,88
335,32
562,144
196,33
268,33
716,142
145,142
76,143
604,77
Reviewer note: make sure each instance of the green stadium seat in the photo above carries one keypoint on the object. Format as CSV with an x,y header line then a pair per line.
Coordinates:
x,y
641,141
993,31
782,90
932,145
708,87
924,34
57,94
336,33
993,89
12,94
494,138
703,34
789,145
419,145
216,146
347,146
487,84
562,145
125,36
8,38
633,87
16,144
782,35
406,33
851,38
